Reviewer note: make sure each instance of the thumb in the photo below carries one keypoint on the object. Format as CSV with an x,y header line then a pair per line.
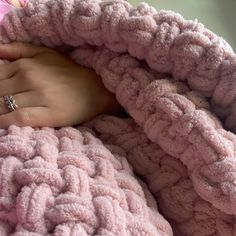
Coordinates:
x,y
17,50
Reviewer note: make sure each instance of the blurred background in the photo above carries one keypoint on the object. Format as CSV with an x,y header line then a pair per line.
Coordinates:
x,y
217,15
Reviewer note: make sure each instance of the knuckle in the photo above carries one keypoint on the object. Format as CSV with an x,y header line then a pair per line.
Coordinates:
x,y
25,63
24,117
21,63
19,44
27,76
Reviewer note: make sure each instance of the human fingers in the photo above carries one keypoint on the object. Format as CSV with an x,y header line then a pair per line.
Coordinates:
x,y
7,70
21,82
23,100
29,116
17,50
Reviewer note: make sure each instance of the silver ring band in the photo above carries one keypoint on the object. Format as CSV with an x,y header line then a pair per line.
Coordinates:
x,y
10,102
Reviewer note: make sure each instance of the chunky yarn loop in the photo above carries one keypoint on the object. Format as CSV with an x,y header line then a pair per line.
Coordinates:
x,y
176,80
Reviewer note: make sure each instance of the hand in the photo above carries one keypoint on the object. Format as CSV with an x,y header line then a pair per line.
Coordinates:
x,y
49,89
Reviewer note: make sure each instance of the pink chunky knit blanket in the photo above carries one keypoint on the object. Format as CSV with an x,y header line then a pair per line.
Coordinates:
x,y
6,6
177,81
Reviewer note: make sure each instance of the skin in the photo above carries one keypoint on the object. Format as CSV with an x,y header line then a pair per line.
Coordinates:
x,y
15,3
49,89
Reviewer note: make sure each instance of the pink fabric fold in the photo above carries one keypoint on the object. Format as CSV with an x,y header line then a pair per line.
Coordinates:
x,y
176,79
4,8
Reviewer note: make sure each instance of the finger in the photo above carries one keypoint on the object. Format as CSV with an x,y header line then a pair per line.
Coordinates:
x,y
7,70
17,50
30,116
23,100
13,86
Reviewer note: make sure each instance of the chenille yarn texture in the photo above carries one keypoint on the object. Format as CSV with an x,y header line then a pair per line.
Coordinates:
x,y
6,6
176,80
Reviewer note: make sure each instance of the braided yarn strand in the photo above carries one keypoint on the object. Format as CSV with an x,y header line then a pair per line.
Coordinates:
x,y
176,79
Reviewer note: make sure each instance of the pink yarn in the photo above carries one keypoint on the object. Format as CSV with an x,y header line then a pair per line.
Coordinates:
x,y
163,70
167,179
5,7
